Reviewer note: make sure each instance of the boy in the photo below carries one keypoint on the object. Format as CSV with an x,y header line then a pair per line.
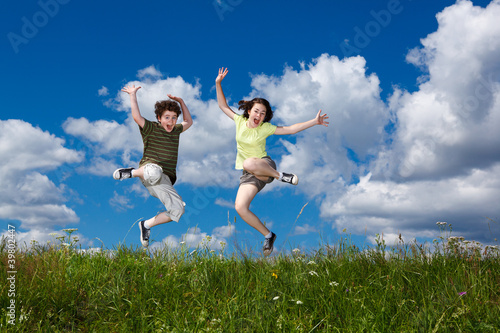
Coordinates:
x,y
157,168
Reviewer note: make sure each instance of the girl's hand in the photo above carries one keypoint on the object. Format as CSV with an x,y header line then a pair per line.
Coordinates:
x,y
131,89
320,119
222,74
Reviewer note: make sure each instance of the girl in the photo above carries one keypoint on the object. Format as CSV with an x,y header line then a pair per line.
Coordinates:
x,y
252,130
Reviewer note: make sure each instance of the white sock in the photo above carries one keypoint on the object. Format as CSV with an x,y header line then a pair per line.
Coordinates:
x,y
269,235
132,172
281,176
146,224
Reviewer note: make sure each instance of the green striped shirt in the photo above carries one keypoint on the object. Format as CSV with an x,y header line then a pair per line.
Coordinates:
x,y
161,147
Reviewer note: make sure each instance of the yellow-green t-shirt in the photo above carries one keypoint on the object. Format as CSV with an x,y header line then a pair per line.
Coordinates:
x,y
250,142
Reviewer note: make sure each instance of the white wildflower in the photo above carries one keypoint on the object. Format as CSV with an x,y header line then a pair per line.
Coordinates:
x,y
311,263
334,284
299,302
276,298
313,273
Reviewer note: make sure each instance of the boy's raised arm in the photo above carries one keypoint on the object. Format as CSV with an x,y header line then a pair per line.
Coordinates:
x,y
221,99
136,113
295,128
186,115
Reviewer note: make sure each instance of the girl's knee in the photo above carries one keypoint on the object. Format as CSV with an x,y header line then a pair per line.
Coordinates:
x,y
240,208
250,164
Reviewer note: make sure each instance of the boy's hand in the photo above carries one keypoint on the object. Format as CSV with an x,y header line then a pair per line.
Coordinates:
x,y
131,89
175,98
222,74
320,119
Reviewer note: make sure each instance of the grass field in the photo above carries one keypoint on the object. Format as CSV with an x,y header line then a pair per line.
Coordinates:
x,y
338,288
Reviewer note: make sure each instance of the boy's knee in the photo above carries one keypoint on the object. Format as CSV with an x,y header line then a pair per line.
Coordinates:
x,y
177,211
152,173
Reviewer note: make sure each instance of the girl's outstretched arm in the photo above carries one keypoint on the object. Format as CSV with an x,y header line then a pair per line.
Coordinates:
x,y
292,129
136,114
187,120
221,99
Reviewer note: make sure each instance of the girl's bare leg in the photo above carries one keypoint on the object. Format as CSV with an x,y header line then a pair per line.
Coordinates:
x,y
244,197
260,168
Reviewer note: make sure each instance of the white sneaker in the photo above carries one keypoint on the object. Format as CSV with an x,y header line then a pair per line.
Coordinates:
x,y
144,234
122,173
290,178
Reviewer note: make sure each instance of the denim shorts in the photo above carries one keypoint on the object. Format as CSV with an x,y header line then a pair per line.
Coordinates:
x,y
248,178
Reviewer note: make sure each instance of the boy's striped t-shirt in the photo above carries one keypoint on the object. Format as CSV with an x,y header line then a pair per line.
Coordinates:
x,y
161,147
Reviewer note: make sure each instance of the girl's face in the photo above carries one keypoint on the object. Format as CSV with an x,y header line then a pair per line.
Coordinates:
x,y
256,115
168,120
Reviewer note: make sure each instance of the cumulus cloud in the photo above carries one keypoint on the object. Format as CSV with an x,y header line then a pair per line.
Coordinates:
x,y
224,203
120,202
104,91
304,229
27,195
195,238
445,152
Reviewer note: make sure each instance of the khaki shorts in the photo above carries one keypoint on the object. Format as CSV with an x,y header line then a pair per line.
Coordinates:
x,y
248,178
160,186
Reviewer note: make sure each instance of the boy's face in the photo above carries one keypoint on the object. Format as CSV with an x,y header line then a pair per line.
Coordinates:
x,y
256,115
168,120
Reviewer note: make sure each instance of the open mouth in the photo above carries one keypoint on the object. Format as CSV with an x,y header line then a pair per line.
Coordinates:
x,y
256,121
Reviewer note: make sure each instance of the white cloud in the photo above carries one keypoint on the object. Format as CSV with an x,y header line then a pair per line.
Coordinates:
x,y
26,194
149,72
120,202
445,139
224,203
195,238
305,229
413,208
104,91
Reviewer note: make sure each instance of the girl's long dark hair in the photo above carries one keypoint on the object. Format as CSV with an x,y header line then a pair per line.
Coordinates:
x,y
246,106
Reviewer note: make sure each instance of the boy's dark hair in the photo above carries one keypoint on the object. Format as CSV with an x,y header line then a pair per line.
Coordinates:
x,y
167,105
246,106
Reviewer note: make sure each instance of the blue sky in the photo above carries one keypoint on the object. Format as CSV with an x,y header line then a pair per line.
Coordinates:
x,y
411,88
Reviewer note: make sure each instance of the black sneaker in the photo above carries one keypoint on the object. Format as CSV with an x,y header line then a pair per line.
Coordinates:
x,y
267,249
122,173
144,234
290,178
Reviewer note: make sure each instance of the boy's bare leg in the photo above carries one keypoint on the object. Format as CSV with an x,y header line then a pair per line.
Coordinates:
x,y
244,197
158,219
138,172
260,169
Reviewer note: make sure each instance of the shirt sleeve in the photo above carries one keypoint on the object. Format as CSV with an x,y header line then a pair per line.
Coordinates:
x,y
269,129
147,128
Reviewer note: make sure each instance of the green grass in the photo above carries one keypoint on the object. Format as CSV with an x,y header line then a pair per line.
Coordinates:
x,y
339,288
